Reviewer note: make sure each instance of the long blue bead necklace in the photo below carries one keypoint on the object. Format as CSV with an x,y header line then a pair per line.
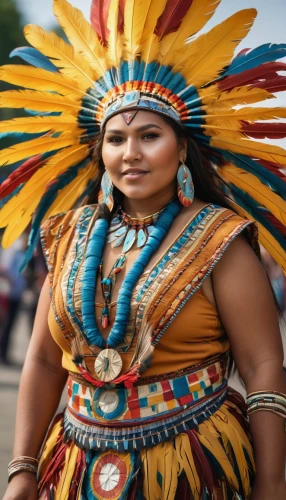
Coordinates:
x,y
108,363
126,231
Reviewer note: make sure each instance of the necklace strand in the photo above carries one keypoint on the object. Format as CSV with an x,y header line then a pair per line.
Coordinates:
x,y
93,260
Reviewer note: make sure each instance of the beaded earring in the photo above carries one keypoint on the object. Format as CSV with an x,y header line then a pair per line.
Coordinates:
x,y
185,187
106,192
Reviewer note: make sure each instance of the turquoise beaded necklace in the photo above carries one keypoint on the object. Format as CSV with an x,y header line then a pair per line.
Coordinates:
x,y
95,248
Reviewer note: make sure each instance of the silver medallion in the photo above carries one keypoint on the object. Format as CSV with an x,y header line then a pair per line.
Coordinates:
x,y
108,365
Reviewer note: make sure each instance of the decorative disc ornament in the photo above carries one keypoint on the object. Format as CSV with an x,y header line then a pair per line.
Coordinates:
x,y
108,365
109,476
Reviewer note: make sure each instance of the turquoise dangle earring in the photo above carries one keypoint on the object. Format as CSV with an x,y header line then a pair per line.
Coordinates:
x,y
106,192
185,185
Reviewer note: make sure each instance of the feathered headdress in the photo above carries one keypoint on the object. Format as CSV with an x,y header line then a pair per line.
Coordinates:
x,y
135,55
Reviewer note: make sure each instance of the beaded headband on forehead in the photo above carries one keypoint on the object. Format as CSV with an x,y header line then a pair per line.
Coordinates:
x,y
134,56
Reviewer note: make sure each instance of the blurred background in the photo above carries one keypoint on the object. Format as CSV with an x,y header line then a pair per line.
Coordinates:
x,y
19,293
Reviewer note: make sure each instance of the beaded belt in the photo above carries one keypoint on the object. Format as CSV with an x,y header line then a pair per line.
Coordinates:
x,y
145,415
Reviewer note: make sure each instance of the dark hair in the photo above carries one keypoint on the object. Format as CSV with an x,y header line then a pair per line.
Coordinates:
x,y
207,183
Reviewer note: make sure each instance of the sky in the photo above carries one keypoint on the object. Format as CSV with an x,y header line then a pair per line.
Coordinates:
x,y
269,25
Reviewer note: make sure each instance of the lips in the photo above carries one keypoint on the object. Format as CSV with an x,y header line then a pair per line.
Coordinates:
x,y
134,171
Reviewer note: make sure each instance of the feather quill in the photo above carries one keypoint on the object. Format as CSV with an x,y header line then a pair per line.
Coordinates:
x,y
251,148
204,59
40,124
62,54
40,79
27,149
39,101
81,35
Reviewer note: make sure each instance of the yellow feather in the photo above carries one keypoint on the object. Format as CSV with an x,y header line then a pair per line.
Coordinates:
x,y
209,437
228,426
136,16
161,460
265,238
40,79
38,101
63,488
38,124
30,195
150,46
187,464
31,148
256,189
115,41
62,55
197,16
251,148
50,444
81,35
239,95
70,193
204,59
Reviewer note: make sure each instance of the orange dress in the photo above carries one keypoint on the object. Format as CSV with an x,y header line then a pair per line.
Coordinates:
x,y
169,426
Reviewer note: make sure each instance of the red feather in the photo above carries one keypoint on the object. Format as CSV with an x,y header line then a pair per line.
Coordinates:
x,y
272,167
172,17
276,223
22,174
206,474
250,76
275,84
98,17
263,130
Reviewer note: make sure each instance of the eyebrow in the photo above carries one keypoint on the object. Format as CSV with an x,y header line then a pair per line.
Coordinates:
x,y
140,129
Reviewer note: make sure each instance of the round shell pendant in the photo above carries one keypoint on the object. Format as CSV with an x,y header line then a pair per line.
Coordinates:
x,y
108,365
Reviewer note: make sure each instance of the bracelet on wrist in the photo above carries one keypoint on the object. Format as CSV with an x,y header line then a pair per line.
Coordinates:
x,y
22,464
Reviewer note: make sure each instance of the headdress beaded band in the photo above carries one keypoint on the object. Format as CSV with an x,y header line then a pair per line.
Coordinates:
x,y
144,64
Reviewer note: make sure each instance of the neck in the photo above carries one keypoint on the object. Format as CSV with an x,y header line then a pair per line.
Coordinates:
x,y
148,206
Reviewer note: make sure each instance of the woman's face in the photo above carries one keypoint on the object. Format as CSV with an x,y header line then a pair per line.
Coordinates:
x,y
142,158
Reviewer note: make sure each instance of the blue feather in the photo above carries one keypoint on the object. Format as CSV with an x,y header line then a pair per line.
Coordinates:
x,y
251,166
38,113
49,197
256,211
22,136
263,54
11,195
34,57
174,81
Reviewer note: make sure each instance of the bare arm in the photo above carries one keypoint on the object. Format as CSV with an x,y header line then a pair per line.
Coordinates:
x,y
248,312
42,382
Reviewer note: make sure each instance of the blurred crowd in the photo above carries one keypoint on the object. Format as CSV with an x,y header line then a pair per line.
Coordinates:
x,y
18,291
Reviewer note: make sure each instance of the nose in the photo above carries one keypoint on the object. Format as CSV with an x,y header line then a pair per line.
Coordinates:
x,y
132,151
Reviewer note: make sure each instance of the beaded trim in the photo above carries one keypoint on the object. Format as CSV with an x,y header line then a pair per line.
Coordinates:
x,y
146,415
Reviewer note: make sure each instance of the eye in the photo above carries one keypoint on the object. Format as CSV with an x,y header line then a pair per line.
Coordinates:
x,y
151,136
116,139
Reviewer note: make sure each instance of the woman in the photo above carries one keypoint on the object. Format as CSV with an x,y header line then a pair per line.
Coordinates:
x,y
150,289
